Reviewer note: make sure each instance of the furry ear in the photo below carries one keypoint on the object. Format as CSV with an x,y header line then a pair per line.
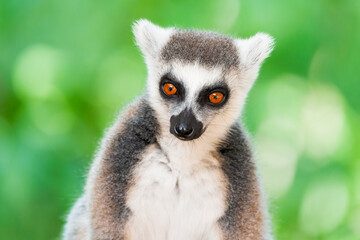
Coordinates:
x,y
150,38
254,50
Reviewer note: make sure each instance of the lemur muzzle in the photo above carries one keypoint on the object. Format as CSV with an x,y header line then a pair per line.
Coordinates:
x,y
185,126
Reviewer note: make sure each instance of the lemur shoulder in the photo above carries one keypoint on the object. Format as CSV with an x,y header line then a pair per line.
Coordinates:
x,y
176,164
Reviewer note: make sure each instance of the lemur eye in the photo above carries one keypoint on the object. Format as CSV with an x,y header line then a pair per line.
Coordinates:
x,y
169,89
216,97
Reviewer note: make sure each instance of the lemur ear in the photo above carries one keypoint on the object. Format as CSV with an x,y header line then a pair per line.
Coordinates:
x,y
254,50
150,38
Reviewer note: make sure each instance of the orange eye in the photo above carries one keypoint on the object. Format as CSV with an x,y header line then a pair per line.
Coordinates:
x,y
216,97
169,89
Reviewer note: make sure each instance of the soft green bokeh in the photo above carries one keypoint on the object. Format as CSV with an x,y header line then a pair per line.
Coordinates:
x,y
67,67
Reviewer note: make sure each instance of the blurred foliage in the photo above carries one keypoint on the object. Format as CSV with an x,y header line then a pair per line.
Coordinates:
x,y
67,67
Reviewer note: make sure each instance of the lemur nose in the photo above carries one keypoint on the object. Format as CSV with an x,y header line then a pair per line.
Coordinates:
x,y
183,130
185,126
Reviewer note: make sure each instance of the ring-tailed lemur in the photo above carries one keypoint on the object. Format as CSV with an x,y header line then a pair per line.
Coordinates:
x,y
176,164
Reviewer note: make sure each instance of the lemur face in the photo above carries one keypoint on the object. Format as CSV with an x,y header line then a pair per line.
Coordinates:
x,y
196,98
198,81
193,97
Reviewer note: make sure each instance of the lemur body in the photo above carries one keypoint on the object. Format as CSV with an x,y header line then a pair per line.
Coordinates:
x,y
196,181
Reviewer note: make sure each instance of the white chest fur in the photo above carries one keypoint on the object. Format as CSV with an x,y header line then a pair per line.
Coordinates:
x,y
176,196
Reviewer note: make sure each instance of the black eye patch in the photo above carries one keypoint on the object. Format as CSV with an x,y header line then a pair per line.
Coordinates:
x,y
170,78
204,94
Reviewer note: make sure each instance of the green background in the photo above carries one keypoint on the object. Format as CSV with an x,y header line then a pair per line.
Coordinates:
x,y
67,67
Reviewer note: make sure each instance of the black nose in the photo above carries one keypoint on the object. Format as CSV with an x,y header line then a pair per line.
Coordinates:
x,y
185,126
183,130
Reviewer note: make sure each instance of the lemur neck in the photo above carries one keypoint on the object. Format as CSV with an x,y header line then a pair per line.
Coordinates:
x,y
185,155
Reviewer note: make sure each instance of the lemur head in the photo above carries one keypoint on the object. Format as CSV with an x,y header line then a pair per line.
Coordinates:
x,y
198,81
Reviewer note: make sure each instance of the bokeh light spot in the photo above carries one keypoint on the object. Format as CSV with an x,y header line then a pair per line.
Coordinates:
x,y
277,157
323,122
35,72
355,221
278,138
324,205
51,117
227,12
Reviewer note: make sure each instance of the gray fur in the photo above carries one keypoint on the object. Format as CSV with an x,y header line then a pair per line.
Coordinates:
x,y
208,48
76,227
113,179
239,168
123,156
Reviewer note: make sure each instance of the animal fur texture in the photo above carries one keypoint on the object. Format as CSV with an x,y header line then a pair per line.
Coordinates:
x,y
175,167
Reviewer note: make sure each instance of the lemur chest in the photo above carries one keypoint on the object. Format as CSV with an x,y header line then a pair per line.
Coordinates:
x,y
176,201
